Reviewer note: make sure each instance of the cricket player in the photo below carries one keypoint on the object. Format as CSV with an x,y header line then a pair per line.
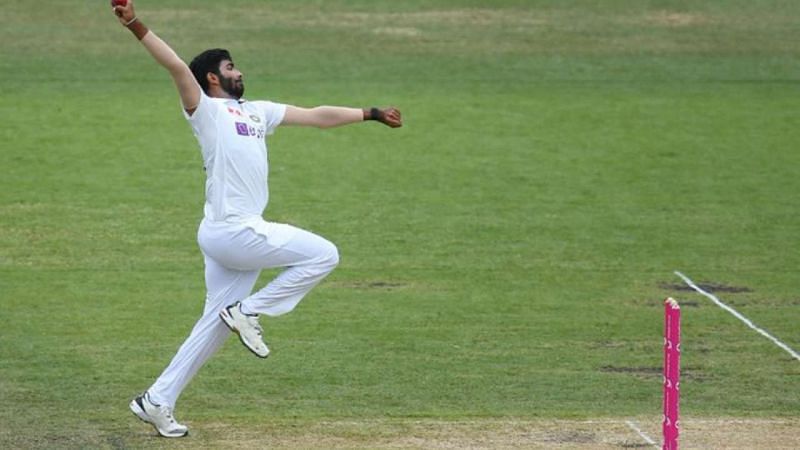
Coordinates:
x,y
236,242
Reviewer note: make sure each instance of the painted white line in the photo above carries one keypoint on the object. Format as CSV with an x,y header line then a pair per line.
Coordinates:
x,y
646,438
736,314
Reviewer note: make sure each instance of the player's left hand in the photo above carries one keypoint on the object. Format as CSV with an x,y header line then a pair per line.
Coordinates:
x,y
391,117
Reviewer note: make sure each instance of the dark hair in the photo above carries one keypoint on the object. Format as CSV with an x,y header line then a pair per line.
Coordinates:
x,y
206,62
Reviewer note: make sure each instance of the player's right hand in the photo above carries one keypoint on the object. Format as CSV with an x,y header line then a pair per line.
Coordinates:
x,y
125,14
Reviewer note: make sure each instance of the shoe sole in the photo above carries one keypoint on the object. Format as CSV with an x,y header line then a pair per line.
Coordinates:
x,y
228,321
141,414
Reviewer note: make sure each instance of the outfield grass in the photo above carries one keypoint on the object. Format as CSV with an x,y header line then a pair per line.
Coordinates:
x,y
504,255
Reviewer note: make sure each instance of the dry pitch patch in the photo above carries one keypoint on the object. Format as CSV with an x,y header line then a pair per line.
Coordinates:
x,y
714,433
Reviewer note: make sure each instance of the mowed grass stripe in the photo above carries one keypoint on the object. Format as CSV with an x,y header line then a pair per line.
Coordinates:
x,y
733,433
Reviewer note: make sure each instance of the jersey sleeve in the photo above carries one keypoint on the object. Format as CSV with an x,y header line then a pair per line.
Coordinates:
x,y
203,115
273,114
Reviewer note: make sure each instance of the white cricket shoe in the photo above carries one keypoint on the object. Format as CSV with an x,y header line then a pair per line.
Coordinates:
x,y
159,416
247,327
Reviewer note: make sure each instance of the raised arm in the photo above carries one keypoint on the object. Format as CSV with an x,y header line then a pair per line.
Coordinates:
x,y
188,89
334,116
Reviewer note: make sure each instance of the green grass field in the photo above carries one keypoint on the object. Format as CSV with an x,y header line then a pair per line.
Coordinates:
x,y
504,255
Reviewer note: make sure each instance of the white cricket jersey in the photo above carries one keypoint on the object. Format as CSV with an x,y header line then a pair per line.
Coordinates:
x,y
232,135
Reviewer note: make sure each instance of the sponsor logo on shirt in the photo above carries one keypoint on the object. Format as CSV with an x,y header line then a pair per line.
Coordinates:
x,y
243,129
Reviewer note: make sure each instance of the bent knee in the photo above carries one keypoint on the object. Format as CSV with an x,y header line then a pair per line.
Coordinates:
x,y
329,256
333,256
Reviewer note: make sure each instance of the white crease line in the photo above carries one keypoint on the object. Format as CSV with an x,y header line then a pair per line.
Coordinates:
x,y
739,316
646,438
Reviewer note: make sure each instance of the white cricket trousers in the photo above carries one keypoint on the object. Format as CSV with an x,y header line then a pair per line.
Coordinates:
x,y
235,254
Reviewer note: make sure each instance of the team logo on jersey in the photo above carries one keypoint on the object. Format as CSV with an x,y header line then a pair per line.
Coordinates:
x,y
241,129
235,112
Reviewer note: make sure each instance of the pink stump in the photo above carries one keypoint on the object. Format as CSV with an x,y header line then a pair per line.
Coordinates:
x,y
672,371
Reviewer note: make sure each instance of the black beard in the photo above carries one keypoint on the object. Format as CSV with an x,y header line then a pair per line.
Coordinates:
x,y
231,87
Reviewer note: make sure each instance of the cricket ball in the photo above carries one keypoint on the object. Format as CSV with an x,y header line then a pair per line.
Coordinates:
x,y
119,3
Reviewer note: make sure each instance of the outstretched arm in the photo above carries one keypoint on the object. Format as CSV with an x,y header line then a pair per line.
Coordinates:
x,y
187,86
334,116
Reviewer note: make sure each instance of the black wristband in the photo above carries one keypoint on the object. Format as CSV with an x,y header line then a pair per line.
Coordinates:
x,y
375,114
